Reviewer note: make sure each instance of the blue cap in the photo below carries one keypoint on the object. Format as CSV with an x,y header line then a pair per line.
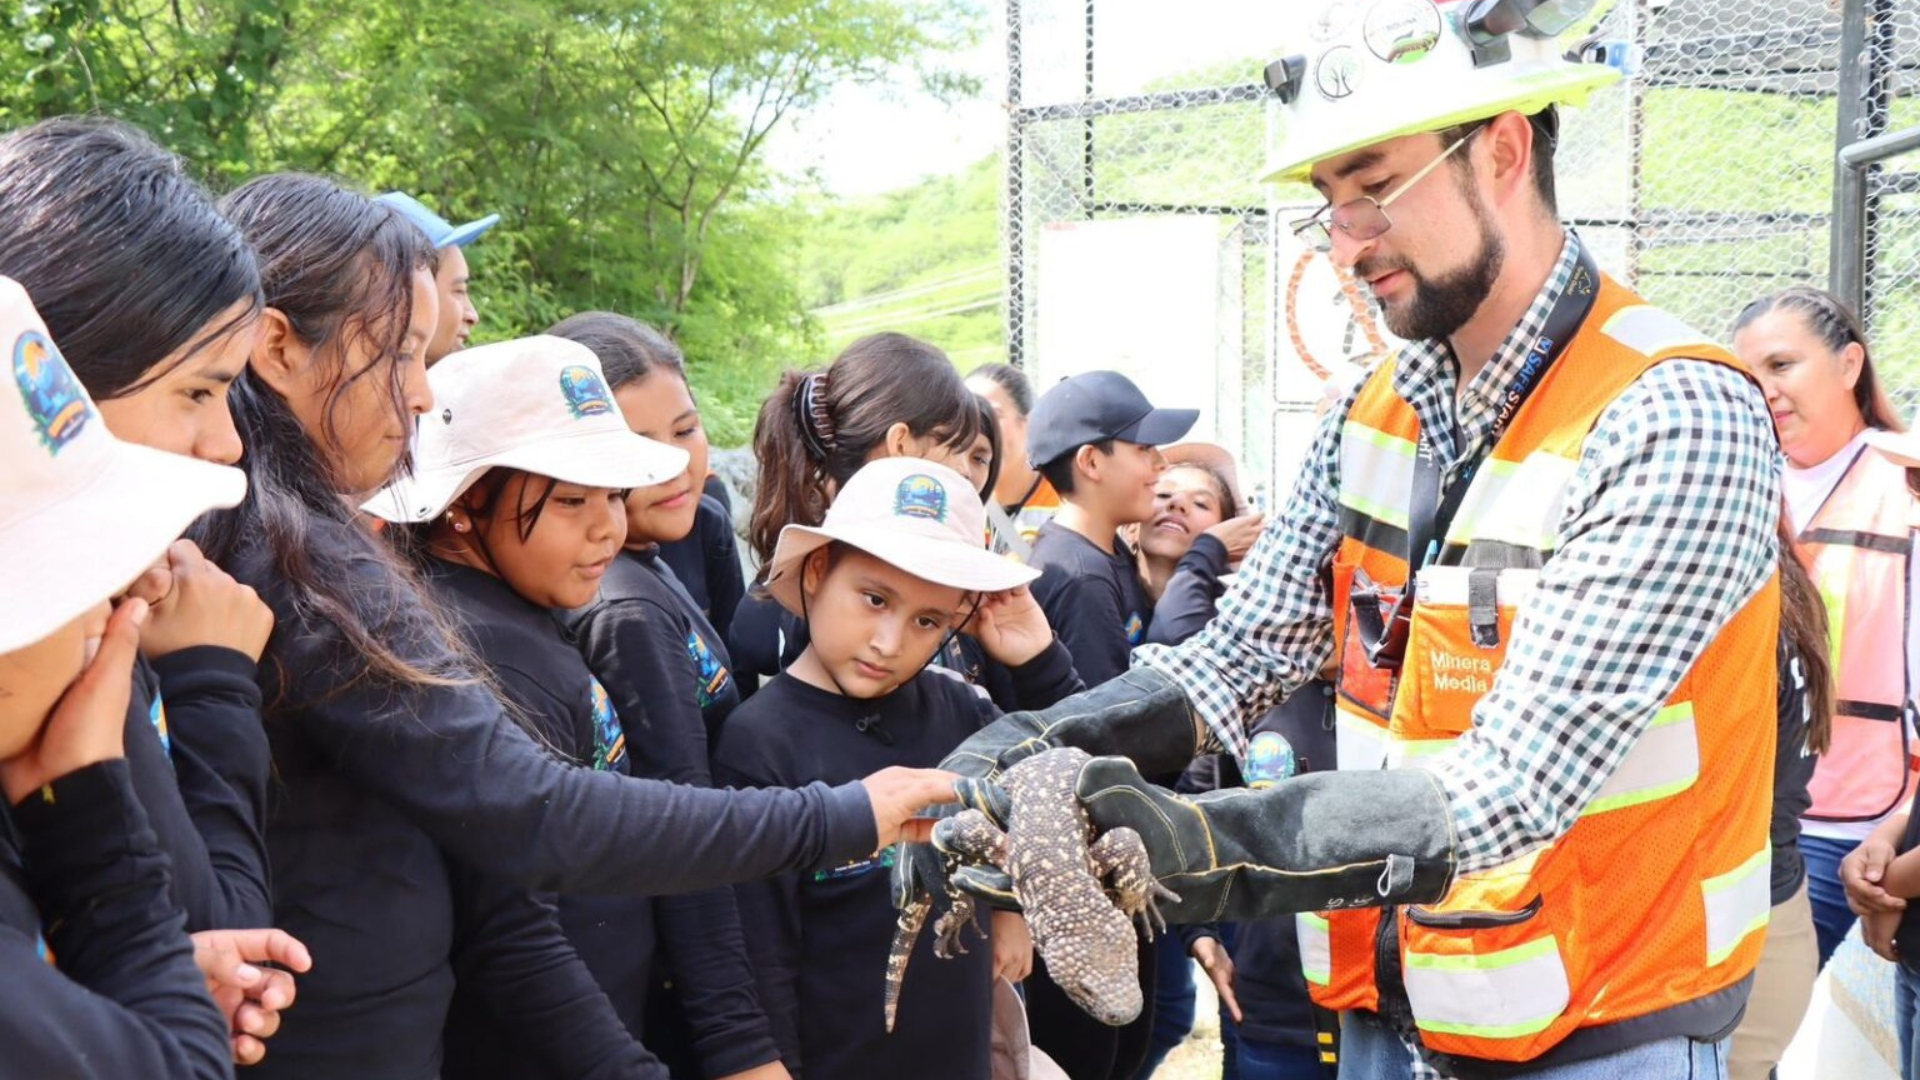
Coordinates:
x,y
1097,406
439,232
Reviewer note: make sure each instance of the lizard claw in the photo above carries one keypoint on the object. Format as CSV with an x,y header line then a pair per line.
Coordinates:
x,y
1148,912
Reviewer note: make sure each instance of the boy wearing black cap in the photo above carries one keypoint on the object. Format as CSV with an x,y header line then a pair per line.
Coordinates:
x,y
1095,437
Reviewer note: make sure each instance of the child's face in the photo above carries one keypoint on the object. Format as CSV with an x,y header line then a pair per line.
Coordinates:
x,y
33,679
873,626
1124,481
185,409
561,562
971,461
660,406
1186,504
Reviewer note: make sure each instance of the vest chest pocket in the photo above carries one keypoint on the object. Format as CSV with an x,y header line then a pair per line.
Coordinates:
x,y
1457,642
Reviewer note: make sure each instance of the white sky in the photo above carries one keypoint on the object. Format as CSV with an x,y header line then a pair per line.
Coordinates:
x,y
865,140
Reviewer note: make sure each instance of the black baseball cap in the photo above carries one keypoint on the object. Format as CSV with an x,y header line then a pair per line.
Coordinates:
x,y
1097,406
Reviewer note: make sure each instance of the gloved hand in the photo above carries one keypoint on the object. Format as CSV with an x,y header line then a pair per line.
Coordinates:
x,y
1142,715
1310,843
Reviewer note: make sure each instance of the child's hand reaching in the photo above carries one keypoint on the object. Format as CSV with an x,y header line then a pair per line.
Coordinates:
x,y
1011,627
1012,947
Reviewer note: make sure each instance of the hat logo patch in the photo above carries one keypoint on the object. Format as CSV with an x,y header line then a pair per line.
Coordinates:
x,y
53,395
920,496
586,395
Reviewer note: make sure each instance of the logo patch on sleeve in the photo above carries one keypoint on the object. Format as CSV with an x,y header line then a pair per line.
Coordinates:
x,y
609,738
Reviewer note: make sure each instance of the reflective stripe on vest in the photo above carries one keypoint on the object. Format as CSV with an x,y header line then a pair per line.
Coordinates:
x,y
1647,329
1664,763
1316,947
1497,995
1738,904
1515,502
1376,474
1358,742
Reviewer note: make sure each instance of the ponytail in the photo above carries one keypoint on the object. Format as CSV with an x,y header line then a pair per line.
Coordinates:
x,y
818,428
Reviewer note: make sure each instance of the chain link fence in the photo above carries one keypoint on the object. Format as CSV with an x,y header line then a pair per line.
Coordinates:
x,y
1707,181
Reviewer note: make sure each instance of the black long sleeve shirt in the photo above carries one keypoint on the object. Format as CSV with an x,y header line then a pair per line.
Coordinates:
x,y
198,756
820,940
707,562
111,990
523,958
377,786
669,678
1093,599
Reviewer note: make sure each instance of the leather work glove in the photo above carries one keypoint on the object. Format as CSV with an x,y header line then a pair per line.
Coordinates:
x,y
1317,842
1142,715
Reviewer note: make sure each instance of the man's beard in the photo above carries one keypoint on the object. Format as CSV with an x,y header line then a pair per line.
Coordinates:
x,y
1442,305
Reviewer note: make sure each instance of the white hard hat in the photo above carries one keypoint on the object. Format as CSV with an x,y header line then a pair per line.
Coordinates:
x,y
1353,73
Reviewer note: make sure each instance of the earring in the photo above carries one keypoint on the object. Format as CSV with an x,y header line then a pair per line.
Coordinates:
x,y
459,526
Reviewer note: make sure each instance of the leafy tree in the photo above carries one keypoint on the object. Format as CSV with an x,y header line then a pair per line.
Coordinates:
x,y
620,140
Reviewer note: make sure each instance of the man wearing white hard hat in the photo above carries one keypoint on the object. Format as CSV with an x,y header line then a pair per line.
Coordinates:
x,y
1538,542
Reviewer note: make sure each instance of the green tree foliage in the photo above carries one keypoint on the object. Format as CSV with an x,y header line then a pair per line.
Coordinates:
x,y
619,139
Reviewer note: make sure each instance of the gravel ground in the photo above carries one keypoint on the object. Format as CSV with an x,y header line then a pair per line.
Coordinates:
x,y
1199,1057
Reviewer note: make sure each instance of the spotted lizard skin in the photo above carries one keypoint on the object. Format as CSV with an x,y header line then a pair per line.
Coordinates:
x,y
1081,894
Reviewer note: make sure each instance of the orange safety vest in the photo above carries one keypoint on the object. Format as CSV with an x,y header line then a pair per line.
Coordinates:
x,y
1650,909
1857,549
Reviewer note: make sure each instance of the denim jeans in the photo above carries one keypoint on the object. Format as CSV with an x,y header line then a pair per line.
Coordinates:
x,y
1831,916
1906,1017
1369,1051
1173,1003
1277,1061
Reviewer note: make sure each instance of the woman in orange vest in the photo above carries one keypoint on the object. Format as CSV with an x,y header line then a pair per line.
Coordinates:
x,y
1853,510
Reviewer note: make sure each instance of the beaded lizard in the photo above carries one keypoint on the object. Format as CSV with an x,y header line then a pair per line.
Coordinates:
x,y
1081,928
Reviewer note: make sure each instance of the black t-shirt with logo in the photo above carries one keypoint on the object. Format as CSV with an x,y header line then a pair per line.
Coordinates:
x,y
820,940
1094,600
511,974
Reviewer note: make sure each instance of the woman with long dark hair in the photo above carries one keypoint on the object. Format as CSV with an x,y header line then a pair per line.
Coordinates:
x,y
102,227
393,757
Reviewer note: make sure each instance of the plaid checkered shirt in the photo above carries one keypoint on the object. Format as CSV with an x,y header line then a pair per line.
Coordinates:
x,y
1668,530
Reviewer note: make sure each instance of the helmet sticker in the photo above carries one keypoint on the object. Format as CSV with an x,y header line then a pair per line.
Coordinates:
x,y
1402,31
1333,20
1337,73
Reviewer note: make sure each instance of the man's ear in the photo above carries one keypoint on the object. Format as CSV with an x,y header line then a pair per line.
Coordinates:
x,y
279,356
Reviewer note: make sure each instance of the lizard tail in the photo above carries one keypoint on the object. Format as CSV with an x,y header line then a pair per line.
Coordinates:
x,y
912,918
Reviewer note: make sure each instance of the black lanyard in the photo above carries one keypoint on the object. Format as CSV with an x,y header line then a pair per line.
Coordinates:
x,y
1435,502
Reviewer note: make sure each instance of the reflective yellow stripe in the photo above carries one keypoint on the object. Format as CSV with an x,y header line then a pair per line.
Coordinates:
x,y
1316,947
1358,742
1407,751
1648,330
1518,503
1499,995
1376,473
1664,762
1738,903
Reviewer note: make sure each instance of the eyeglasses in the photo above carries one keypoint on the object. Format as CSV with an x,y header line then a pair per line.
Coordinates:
x,y
1365,218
